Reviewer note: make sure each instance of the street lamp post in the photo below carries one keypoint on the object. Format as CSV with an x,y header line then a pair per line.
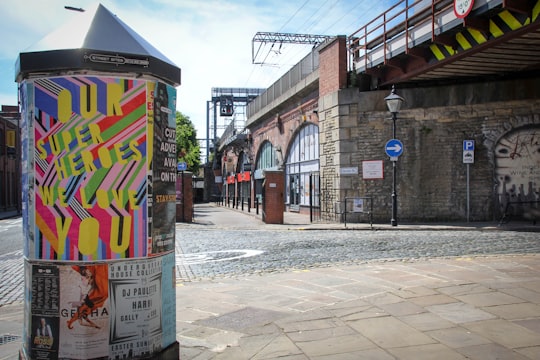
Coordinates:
x,y
393,102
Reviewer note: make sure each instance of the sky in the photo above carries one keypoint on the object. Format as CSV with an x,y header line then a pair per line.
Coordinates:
x,y
210,41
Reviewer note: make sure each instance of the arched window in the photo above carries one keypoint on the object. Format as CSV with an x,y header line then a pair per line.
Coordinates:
x,y
267,157
302,161
266,160
243,162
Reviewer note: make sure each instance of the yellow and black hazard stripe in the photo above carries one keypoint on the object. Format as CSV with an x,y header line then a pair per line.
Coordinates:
x,y
499,25
505,22
469,38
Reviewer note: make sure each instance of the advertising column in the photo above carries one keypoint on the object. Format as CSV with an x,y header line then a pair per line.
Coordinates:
x,y
99,173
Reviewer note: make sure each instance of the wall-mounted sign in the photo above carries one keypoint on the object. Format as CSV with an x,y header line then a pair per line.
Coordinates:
x,y
349,170
462,8
372,169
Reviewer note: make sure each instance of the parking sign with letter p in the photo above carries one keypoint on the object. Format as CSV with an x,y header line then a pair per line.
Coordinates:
x,y
468,151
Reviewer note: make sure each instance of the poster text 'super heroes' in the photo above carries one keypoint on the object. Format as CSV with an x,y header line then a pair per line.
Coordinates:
x,y
90,169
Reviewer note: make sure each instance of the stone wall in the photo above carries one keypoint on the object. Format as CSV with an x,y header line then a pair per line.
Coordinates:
x,y
432,125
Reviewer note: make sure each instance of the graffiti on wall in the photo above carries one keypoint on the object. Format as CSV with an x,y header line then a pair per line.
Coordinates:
x,y
517,171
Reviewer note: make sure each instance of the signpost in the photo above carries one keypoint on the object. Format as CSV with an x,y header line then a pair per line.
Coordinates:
x,y
394,148
468,158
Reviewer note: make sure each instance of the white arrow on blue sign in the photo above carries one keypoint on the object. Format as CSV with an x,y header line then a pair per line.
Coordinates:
x,y
393,148
182,166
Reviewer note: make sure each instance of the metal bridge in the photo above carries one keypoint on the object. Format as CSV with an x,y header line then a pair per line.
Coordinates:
x,y
430,40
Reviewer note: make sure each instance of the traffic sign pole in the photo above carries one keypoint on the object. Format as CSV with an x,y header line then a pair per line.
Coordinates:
x,y
394,148
468,158
468,193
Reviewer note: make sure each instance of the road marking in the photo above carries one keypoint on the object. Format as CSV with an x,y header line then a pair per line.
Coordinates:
x,y
215,256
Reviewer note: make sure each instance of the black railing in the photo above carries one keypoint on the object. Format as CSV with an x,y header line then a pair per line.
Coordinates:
x,y
356,205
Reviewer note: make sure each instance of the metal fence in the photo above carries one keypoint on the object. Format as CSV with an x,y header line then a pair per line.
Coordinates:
x,y
355,209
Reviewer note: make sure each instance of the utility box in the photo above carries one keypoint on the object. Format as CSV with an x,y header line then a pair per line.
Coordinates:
x,y
273,202
99,172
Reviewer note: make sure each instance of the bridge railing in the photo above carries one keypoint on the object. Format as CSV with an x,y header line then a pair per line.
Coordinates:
x,y
398,29
402,27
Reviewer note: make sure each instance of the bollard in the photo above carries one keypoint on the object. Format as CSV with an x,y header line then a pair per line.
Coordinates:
x,y
99,171
257,205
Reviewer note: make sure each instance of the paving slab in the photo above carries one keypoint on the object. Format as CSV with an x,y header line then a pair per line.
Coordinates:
x,y
457,337
505,333
297,315
491,352
460,312
426,321
389,332
426,352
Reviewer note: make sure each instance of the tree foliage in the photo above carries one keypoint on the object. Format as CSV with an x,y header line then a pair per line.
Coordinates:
x,y
187,146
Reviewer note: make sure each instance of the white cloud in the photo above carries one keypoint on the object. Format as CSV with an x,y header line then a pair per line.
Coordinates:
x,y
209,40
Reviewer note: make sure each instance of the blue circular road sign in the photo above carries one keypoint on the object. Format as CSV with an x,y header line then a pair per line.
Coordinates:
x,y
393,148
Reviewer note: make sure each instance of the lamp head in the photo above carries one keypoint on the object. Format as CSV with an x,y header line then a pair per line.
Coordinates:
x,y
394,101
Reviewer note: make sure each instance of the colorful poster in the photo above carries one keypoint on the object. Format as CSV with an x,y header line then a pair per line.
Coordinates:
x,y
84,311
164,159
90,179
99,158
44,337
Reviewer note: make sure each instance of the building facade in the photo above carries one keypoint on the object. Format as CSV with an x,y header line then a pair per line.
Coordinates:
x,y
329,127
10,169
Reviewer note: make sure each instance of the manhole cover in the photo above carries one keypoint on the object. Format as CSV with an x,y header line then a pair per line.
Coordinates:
x,y
4,339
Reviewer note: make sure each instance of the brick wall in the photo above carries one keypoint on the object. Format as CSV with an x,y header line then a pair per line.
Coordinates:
x,y
273,206
280,128
184,205
333,66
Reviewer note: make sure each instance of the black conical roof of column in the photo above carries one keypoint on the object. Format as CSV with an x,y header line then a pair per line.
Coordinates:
x,y
96,41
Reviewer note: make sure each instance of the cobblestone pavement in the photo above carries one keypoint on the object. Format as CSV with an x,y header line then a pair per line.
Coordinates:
x,y
211,253
205,251
12,275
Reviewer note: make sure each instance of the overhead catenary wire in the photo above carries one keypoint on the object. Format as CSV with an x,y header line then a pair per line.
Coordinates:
x,y
329,19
